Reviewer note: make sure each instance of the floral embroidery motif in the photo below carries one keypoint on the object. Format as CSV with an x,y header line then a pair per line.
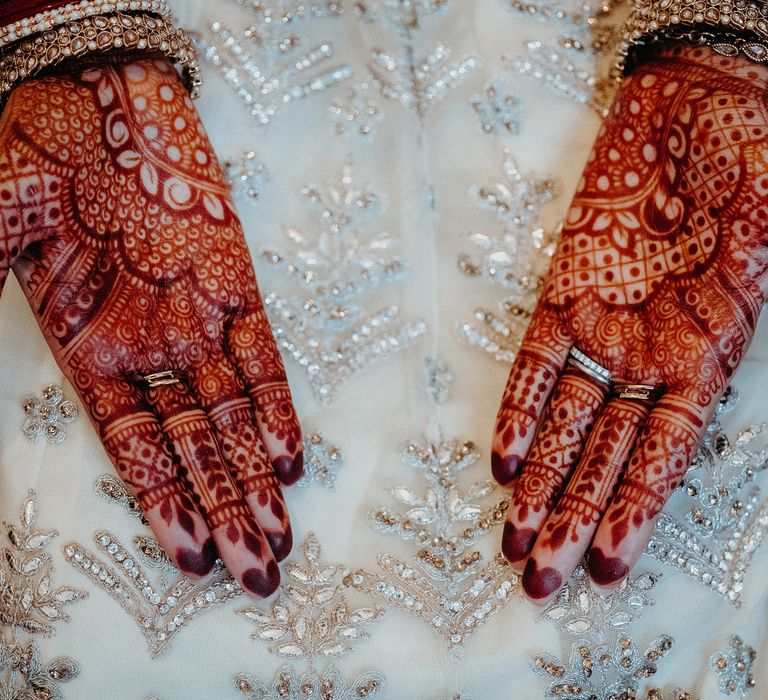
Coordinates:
x,y
30,604
516,259
579,610
355,114
321,461
725,514
734,667
112,490
311,618
601,672
162,605
404,18
497,109
447,586
49,415
264,72
246,176
327,332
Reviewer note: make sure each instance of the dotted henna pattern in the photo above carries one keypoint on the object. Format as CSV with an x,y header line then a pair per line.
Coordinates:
x,y
659,276
117,221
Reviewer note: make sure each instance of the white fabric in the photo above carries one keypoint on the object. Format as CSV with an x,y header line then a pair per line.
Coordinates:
x,y
376,411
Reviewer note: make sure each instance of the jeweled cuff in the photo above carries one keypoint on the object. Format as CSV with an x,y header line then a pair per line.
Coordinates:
x,y
730,27
38,35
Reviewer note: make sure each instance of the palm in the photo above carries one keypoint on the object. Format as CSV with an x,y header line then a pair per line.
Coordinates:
x,y
124,238
659,277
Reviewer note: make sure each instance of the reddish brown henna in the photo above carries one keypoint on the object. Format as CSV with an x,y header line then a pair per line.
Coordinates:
x,y
539,582
115,217
659,276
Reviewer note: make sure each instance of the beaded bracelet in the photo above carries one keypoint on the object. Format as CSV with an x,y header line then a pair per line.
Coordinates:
x,y
47,39
730,27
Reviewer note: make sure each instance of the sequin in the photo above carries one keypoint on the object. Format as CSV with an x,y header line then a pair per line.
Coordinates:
x,y
30,604
246,176
497,109
327,332
356,114
447,586
516,259
734,666
48,415
438,377
321,461
160,608
311,618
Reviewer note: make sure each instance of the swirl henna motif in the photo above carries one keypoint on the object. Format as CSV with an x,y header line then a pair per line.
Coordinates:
x,y
659,277
116,219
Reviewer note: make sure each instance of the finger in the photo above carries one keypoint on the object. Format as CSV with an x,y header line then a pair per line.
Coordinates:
x,y
571,525
556,448
534,373
239,540
665,448
221,394
136,445
253,349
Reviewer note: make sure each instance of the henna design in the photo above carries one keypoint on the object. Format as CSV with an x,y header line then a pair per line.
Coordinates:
x,y
659,276
116,218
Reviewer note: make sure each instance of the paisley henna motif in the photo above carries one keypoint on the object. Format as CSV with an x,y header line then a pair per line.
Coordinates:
x,y
115,217
659,276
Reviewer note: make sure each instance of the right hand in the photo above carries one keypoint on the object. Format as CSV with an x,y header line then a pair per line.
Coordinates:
x,y
116,219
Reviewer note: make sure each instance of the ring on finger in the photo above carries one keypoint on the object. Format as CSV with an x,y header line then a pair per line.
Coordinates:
x,y
638,392
165,377
587,365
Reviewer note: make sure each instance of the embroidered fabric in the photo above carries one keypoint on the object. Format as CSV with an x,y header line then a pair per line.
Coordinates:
x,y
398,202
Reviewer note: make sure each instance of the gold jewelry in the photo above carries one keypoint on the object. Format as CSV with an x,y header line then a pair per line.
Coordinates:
x,y
163,378
589,366
638,392
101,33
730,27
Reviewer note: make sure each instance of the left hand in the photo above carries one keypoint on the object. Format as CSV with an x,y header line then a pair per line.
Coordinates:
x,y
659,277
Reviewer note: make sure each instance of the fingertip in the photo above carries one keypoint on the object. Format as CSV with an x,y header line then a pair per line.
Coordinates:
x,y
196,563
261,582
504,468
541,583
289,469
606,572
280,542
517,543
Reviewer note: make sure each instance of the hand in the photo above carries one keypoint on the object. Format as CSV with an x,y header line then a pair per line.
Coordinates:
x,y
115,217
659,277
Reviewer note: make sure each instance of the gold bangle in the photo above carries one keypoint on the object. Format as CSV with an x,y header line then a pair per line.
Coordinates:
x,y
730,27
98,34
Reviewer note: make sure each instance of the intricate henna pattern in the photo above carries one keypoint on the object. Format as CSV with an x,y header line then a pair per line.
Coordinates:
x,y
116,219
659,276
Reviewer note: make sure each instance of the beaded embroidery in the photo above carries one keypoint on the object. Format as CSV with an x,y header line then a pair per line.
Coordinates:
x,y
321,461
246,176
497,109
515,259
327,332
447,585
733,665
30,603
311,618
49,415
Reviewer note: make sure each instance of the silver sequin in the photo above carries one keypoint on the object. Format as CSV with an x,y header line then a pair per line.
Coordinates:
x,y
48,415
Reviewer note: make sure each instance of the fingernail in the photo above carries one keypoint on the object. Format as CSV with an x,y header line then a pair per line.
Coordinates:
x,y
289,470
197,562
504,468
540,583
517,542
260,582
605,571
281,542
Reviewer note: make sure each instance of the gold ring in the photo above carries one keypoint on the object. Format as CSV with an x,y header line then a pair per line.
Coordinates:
x,y
164,378
638,392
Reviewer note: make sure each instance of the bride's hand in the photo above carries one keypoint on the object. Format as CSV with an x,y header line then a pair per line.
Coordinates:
x,y
116,219
659,278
